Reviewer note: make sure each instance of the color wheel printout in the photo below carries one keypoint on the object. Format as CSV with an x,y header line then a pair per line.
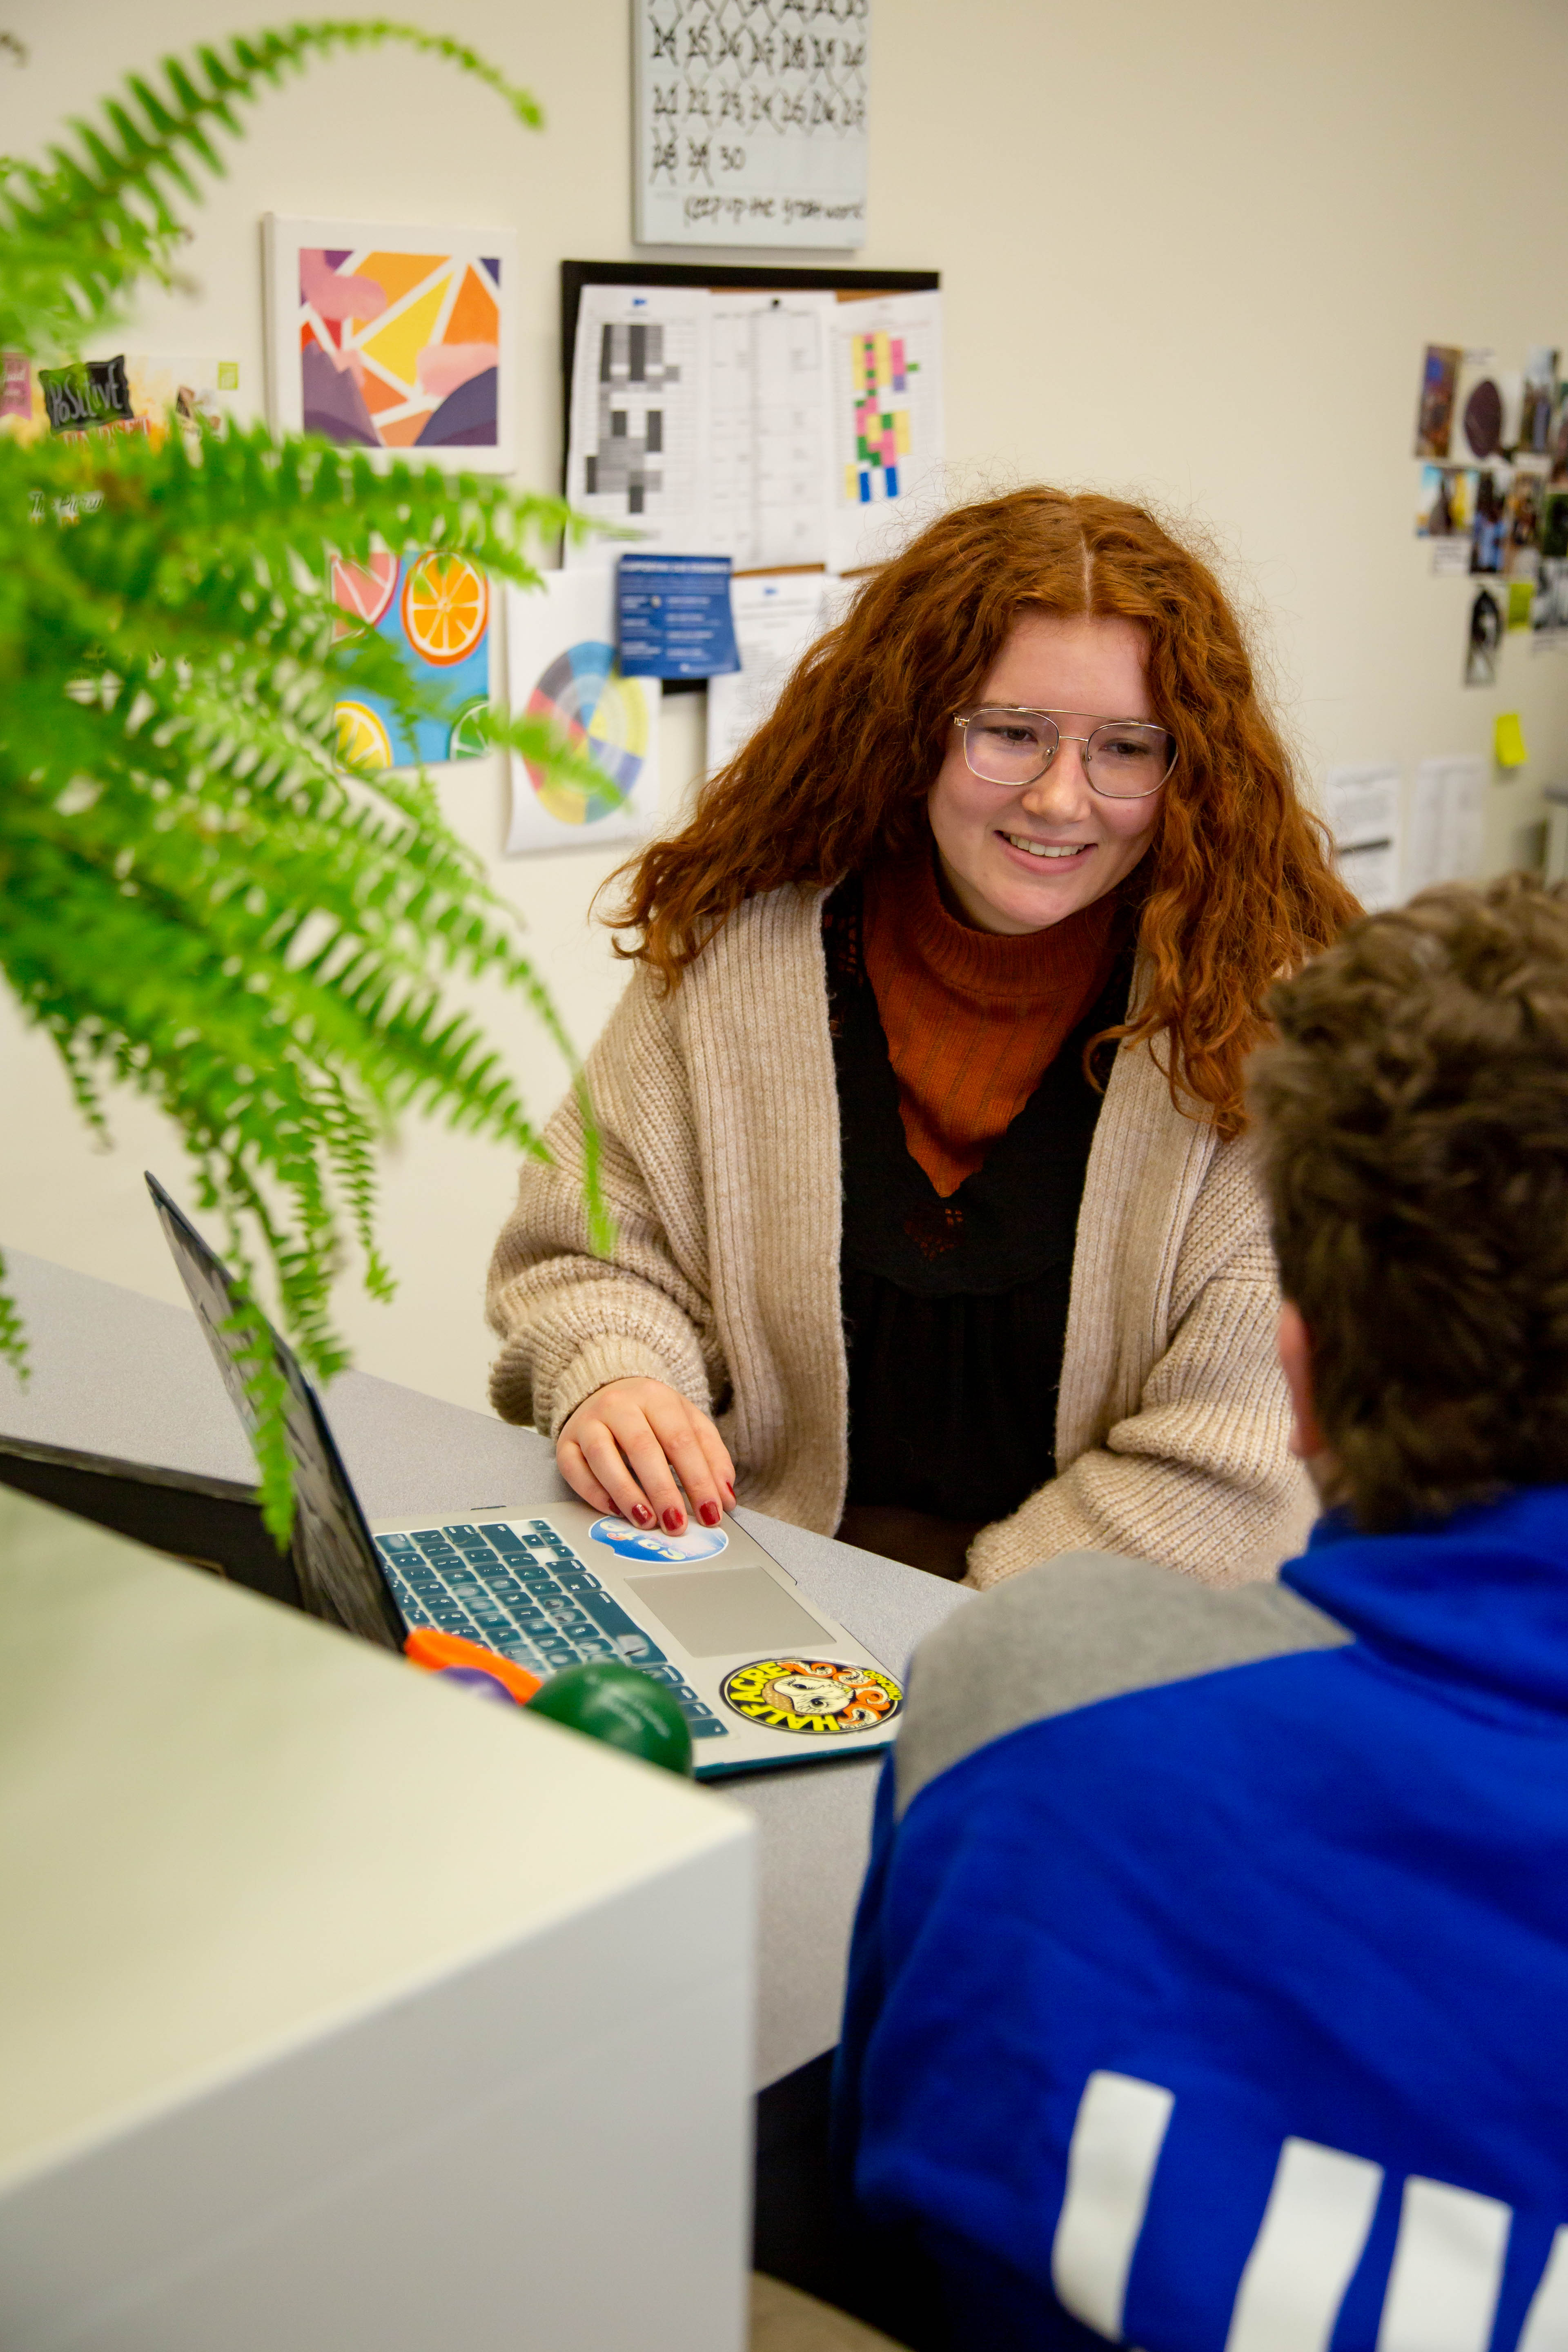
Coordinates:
x,y
561,659
394,341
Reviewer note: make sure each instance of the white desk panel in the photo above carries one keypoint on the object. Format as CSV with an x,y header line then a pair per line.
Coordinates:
x,y
119,1374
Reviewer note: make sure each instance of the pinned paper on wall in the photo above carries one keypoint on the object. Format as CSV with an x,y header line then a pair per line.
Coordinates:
x,y
1445,514
768,444
1488,535
1434,414
888,417
1485,636
1526,508
196,394
796,429
562,665
1487,403
750,121
434,610
775,620
1443,838
1362,807
1549,609
396,341
1538,403
673,616
1509,745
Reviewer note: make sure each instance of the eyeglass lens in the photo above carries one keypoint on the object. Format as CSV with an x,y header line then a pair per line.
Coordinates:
x,y
1125,759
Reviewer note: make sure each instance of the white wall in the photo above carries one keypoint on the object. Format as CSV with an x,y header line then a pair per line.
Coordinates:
x,y
1188,252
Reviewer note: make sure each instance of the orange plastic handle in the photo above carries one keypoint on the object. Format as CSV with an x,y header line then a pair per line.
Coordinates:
x,y
429,1650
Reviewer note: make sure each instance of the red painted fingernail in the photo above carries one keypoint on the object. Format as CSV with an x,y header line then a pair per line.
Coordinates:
x,y
674,1520
730,1491
642,1515
711,1514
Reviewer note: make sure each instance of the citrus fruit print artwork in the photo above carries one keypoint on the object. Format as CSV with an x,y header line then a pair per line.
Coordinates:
x,y
434,609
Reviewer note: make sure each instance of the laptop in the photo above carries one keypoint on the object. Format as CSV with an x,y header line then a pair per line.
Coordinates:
x,y
762,1675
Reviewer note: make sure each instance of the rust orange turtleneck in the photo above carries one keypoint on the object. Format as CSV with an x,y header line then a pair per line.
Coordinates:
x,y
973,1020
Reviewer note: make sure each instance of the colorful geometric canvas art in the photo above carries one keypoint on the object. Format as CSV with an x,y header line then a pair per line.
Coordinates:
x,y
434,610
879,378
396,341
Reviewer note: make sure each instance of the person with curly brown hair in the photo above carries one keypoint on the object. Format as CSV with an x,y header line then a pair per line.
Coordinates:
x,y
922,1113
1210,1982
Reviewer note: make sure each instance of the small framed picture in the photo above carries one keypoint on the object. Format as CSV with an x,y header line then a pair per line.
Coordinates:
x,y
399,341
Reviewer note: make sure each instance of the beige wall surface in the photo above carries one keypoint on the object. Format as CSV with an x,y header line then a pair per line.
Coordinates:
x,y
1191,254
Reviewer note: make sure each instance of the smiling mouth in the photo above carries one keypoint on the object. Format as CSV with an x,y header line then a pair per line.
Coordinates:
x,y
1044,849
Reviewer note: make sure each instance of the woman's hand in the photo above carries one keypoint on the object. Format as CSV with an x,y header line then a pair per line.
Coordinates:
x,y
626,1444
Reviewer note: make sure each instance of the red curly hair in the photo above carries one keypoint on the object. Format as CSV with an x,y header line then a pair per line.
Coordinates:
x,y
1240,888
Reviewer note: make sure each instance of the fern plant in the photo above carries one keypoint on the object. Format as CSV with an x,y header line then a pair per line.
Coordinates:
x,y
195,900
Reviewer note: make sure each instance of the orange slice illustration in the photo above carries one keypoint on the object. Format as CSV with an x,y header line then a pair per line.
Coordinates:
x,y
446,605
364,590
364,742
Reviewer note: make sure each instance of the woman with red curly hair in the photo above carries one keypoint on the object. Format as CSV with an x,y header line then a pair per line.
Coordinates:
x,y
922,1113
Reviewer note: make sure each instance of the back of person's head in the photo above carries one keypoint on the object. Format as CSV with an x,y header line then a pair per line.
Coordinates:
x,y
1414,1121
1238,886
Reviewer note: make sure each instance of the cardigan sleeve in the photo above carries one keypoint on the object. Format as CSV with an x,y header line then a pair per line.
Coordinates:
x,y
570,1322
1200,1476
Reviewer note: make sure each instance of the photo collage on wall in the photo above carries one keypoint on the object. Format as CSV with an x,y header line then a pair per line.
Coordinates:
x,y
1492,493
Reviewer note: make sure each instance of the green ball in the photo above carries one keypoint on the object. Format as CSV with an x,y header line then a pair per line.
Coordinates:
x,y
614,1703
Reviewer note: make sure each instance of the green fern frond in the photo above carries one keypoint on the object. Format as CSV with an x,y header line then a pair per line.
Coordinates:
x,y
13,1337
80,231
195,901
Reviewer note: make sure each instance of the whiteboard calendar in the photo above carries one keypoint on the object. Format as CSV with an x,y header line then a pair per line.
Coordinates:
x,y
750,121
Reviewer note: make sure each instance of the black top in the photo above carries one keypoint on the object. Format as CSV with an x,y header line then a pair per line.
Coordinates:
x,y
954,1309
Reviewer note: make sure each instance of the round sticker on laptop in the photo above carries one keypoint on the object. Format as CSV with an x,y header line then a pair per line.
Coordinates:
x,y
813,1697
652,1543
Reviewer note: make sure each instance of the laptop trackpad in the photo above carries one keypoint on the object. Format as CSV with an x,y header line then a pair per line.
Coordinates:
x,y
712,1614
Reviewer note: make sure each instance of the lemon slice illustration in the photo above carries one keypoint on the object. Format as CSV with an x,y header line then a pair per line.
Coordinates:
x,y
363,739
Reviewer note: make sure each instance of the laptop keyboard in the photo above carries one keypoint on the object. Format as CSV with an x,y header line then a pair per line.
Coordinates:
x,y
521,1589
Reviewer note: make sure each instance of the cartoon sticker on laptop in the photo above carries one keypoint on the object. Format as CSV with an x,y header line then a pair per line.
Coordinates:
x,y
636,1543
812,1695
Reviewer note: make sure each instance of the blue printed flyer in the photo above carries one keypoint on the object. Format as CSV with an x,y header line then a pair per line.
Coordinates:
x,y
674,618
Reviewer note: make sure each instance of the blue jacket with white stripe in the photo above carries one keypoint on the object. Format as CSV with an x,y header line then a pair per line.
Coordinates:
x,y
1209,1991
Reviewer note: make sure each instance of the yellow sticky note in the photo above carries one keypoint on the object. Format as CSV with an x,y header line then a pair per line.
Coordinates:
x,y
1508,737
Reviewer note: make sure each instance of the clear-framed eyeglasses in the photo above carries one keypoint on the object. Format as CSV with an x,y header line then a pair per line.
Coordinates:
x,y
1123,759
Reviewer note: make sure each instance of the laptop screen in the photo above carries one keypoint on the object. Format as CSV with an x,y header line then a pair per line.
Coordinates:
x,y
339,1574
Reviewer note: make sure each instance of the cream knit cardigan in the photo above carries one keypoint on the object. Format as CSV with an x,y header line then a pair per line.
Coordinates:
x,y
720,1113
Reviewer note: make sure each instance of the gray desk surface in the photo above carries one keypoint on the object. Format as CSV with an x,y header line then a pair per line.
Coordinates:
x,y
116,1373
